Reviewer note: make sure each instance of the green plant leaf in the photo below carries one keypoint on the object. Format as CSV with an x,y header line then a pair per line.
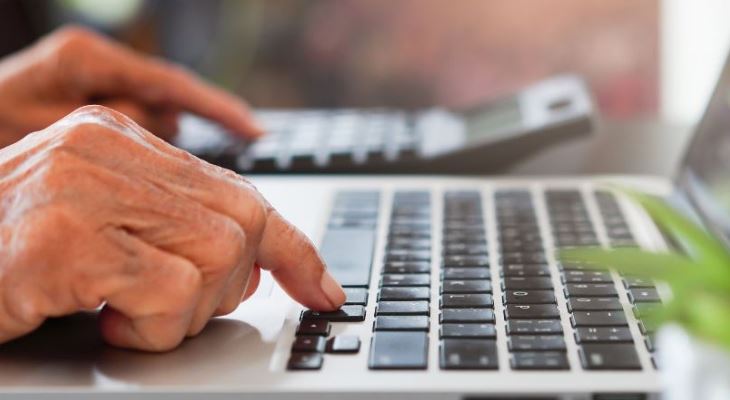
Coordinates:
x,y
695,240
677,270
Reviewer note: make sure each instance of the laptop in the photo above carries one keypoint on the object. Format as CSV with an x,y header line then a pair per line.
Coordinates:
x,y
454,292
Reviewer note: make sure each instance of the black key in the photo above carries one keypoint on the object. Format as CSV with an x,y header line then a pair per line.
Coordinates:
x,y
466,261
642,310
590,290
465,249
344,314
402,308
633,283
465,273
409,244
603,334
468,354
343,344
487,331
404,293
647,328
539,360
466,286
467,300
650,345
399,350
586,277
449,315
314,327
401,323
536,343
594,304
406,280
307,344
409,256
305,361
534,326
609,356
525,270
644,296
348,254
529,297
404,267
356,296
524,258
531,311
511,283
598,318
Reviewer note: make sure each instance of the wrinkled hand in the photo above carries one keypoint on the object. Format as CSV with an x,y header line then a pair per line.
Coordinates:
x,y
97,211
73,67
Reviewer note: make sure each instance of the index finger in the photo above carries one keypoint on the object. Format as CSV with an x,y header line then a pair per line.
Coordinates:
x,y
295,264
117,70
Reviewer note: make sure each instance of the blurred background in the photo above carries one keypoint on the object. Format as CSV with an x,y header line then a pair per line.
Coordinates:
x,y
643,60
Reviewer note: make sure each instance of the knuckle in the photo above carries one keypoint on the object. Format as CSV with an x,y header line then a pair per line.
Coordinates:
x,y
187,286
230,246
72,38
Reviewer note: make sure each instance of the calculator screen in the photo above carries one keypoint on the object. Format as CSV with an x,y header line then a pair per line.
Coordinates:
x,y
493,117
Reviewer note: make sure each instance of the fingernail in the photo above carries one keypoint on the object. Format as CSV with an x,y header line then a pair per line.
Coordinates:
x,y
332,290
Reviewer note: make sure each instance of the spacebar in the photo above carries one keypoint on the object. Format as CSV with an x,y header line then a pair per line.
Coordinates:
x,y
348,253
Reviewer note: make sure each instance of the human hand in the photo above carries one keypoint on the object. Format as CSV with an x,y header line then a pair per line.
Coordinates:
x,y
97,211
73,67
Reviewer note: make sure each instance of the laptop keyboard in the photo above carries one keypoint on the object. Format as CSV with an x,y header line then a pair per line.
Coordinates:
x,y
467,332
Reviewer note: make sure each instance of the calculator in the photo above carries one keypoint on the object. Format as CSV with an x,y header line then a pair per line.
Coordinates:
x,y
484,139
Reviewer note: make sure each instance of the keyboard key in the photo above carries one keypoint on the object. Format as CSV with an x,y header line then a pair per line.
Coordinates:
x,y
305,361
590,290
314,327
348,254
534,326
343,344
524,258
307,344
466,286
468,300
344,314
525,270
399,350
409,244
511,283
466,261
531,311
406,280
647,328
468,354
633,283
603,334
449,315
609,356
402,267
529,297
404,293
465,273
487,331
586,277
401,323
642,310
409,256
536,343
531,360
598,318
465,249
356,296
650,344
644,296
594,304
402,308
